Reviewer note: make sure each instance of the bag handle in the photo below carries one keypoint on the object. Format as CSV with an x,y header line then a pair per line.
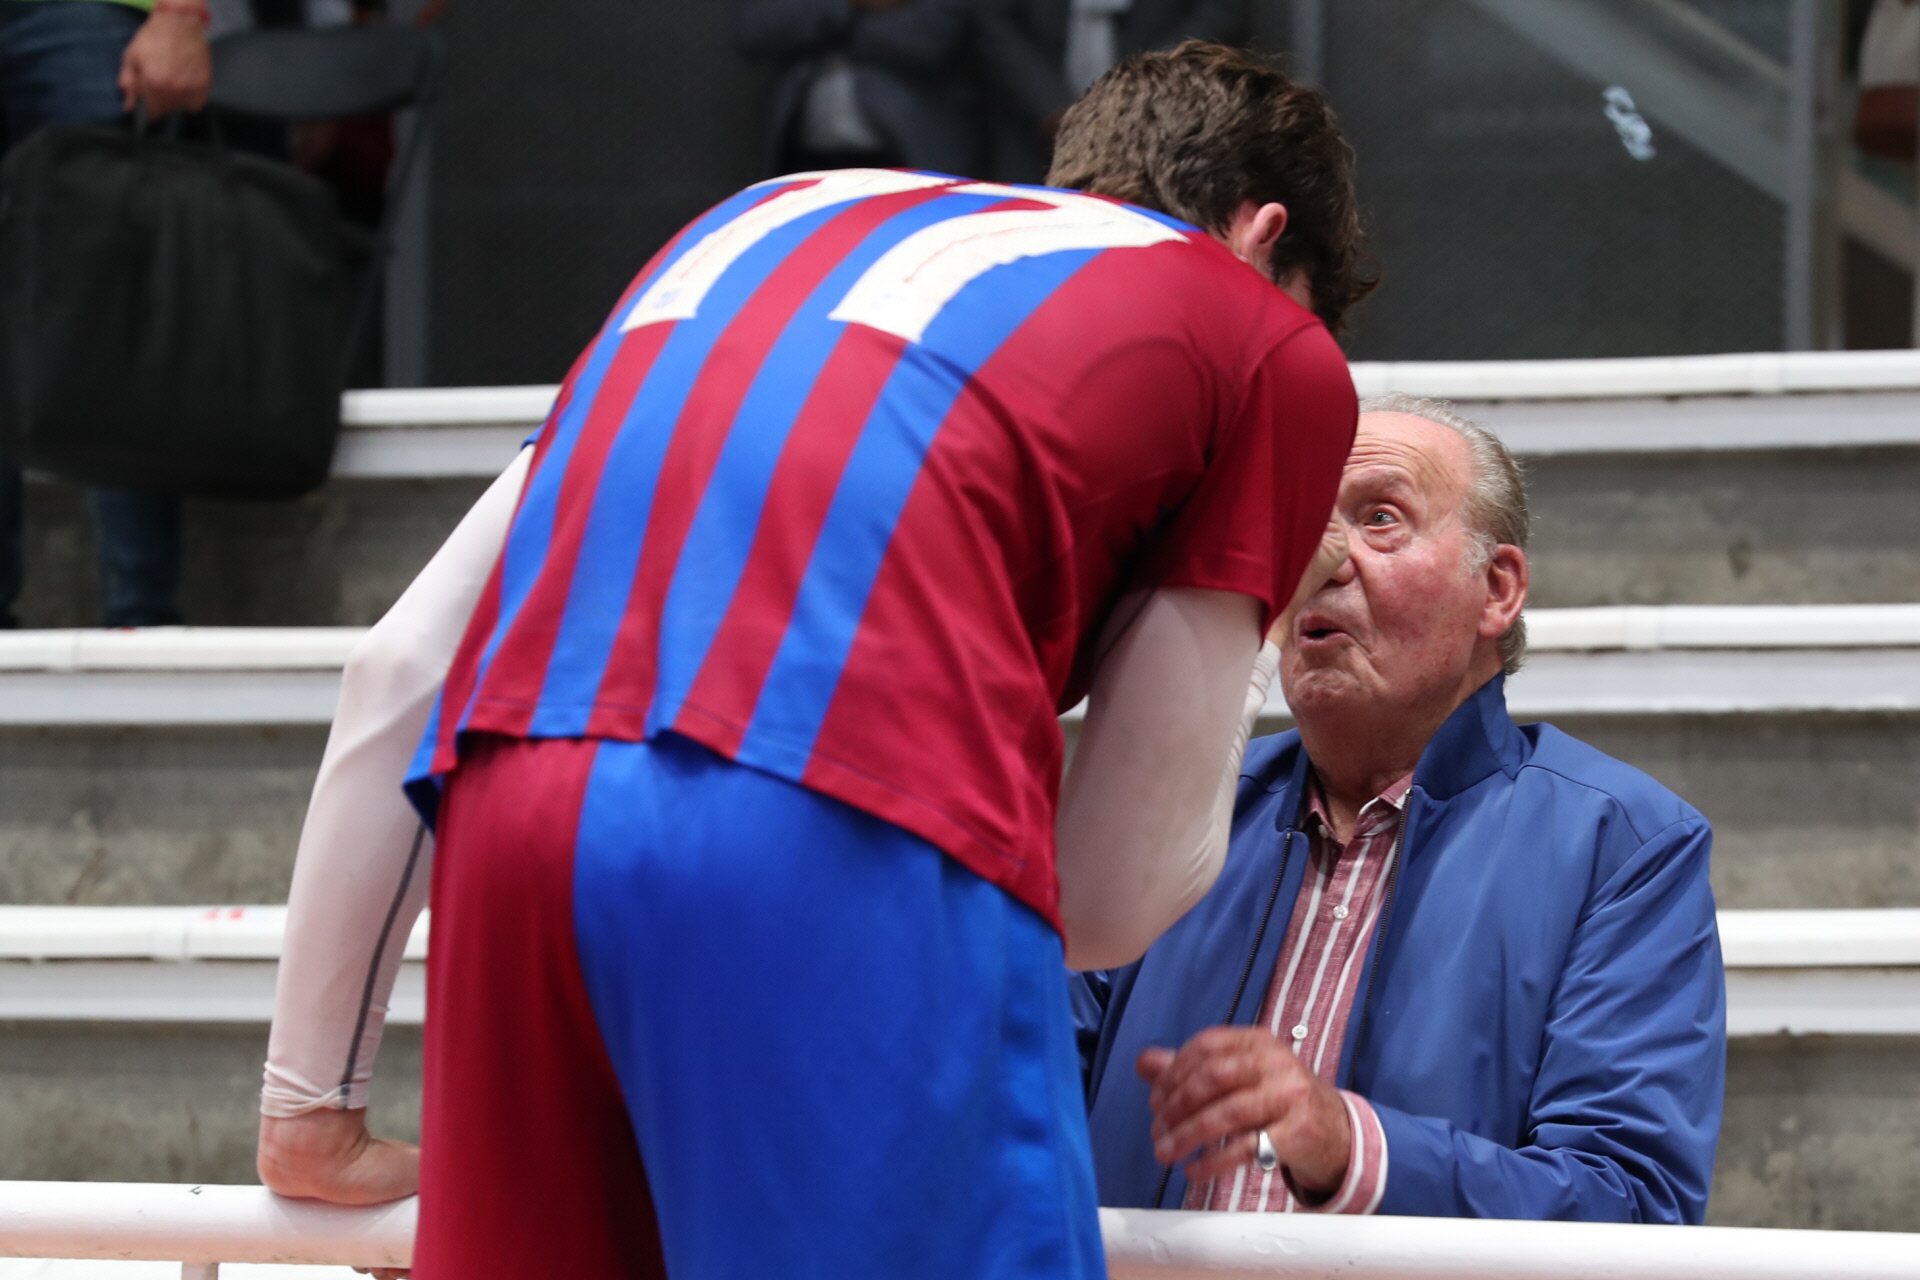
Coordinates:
x,y
145,127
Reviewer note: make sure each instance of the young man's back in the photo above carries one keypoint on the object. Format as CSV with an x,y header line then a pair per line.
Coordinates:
x,y
849,481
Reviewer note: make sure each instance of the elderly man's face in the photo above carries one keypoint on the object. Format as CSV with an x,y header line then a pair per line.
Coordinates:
x,y
1398,624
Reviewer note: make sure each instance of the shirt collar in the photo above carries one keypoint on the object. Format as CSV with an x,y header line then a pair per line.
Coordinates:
x,y
1393,797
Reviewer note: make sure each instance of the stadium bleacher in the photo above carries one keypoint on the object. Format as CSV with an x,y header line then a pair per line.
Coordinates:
x,y
1726,563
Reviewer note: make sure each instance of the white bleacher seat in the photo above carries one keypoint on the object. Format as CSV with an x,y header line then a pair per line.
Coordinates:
x,y
1653,660
1799,400
1832,972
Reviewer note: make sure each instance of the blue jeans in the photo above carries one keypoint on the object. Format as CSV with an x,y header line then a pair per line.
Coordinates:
x,y
59,60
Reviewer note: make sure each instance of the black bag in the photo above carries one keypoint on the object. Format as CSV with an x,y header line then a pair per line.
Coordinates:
x,y
174,316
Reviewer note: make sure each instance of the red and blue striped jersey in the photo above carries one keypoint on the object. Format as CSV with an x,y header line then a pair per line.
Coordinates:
x,y
848,482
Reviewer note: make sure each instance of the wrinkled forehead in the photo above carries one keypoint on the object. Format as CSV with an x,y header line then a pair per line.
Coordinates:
x,y
1401,453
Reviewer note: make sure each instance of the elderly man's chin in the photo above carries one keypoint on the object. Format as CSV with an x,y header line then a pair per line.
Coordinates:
x,y
1320,674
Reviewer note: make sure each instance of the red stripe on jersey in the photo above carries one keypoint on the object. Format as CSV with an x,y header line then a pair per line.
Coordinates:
x,y
969,528
627,687
804,483
519,668
457,688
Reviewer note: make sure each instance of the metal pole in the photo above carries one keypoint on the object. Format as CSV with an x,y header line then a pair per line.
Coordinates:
x,y
1916,206
1307,40
407,284
199,1271
1812,286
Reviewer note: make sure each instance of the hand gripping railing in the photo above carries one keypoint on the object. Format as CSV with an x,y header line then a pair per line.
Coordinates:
x,y
201,1227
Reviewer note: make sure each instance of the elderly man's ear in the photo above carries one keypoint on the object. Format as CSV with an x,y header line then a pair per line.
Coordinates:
x,y
1506,591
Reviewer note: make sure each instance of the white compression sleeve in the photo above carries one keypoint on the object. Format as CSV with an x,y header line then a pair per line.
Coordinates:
x,y
1145,809
361,875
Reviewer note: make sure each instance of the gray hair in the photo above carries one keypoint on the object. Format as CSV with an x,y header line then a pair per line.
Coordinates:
x,y
1496,505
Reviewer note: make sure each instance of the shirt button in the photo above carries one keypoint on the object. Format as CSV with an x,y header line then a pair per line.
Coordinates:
x,y
1340,912
1300,1032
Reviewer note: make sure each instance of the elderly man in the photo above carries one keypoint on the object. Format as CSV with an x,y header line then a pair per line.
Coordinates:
x,y
1454,966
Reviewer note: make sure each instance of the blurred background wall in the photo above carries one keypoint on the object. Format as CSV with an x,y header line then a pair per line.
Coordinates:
x,y
1545,178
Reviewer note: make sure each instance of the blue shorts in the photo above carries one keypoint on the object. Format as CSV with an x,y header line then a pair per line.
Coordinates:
x,y
673,994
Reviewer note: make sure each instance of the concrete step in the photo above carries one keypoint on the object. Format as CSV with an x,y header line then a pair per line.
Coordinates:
x,y
173,767
1819,1129
1808,810
1700,479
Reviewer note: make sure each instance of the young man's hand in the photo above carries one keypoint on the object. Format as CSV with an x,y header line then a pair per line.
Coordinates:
x,y
329,1155
168,66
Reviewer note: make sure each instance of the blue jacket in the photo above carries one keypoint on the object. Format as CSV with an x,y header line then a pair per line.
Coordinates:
x,y
1541,1023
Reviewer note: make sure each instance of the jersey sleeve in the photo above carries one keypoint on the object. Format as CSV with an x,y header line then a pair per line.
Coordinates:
x,y
1253,521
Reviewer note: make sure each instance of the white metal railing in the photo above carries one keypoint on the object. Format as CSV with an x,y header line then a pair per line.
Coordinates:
x,y
201,1227
1680,659
1872,937
1769,400
1808,972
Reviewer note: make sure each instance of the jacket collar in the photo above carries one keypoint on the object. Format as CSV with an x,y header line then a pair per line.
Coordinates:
x,y
1478,740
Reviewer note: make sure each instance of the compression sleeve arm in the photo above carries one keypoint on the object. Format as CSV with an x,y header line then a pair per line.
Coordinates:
x,y
1146,807
360,878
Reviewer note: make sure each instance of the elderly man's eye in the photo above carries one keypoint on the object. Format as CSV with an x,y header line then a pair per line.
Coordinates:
x,y
1380,518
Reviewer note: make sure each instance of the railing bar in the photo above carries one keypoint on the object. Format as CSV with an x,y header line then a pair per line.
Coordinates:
x,y
194,1224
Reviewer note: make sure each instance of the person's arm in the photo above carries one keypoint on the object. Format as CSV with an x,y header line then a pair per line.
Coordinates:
x,y
361,875
1147,806
1140,832
1144,811
1090,991
914,38
1017,69
1626,1107
168,65
780,30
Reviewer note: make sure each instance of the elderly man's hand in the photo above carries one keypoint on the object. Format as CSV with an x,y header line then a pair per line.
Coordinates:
x,y
1226,1084
168,66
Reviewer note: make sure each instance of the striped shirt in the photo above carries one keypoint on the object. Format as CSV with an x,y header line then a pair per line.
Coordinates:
x,y
847,484
1312,994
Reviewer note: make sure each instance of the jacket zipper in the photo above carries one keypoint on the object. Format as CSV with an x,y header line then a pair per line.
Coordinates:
x,y
1379,943
1246,973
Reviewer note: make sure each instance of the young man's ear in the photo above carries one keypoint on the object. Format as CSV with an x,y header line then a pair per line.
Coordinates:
x,y
1253,232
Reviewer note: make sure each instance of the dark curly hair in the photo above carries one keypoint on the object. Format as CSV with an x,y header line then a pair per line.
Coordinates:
x,y
1198,130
